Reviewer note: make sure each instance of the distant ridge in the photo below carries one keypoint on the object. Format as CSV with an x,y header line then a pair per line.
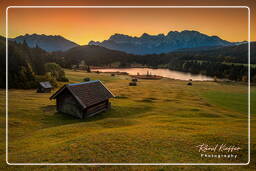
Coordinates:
x,y
49,43
156,44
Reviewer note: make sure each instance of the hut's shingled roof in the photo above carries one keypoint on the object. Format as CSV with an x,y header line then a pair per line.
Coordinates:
x,y
87,93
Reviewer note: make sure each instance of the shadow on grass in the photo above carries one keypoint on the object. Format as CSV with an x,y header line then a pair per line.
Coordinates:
x,y
120,112
56,118
52,117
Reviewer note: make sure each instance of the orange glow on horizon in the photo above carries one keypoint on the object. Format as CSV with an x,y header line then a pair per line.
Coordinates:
x,y
84,25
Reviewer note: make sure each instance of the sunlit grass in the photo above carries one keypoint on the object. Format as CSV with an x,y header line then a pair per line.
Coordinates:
x,y
156,121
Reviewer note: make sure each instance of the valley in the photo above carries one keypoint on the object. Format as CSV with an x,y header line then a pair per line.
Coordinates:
x,y
155,121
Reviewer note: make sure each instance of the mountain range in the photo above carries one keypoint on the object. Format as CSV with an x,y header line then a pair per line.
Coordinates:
x,y
49,43
145,44
156,44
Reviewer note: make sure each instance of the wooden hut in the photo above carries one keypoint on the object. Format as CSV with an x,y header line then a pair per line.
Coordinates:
x,y
83,99
44,87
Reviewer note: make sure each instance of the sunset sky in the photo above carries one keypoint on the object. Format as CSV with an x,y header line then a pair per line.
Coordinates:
x,y
83,25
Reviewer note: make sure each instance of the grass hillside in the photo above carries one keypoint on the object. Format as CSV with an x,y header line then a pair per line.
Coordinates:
x,y
156,121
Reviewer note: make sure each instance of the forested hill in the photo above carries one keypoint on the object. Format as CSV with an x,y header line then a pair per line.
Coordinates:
x,y
228,54
100,56
223,62
94,55
27,66
235,53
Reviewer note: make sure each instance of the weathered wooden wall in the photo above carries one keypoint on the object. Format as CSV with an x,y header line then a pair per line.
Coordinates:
x,y
66,103
100,107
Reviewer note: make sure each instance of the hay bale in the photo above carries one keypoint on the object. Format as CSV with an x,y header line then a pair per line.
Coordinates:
x,y
86,79
133,84
134,80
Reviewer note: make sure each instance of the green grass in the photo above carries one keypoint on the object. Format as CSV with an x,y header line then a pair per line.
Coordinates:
x,y
232,101
156,121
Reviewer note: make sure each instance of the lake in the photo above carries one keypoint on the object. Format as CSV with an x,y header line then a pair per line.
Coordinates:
x,y
161,72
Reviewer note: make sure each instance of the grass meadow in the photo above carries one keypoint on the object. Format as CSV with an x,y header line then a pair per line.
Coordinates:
x,y
158,121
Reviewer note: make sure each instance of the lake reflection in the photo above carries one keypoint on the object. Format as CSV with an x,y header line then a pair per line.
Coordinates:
x,y
161,72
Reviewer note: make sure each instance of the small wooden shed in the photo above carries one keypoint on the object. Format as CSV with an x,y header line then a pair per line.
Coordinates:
x,y
44,87
83,99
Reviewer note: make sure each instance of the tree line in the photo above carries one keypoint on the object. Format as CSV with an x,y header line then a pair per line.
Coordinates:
x,y
223,62
28,66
